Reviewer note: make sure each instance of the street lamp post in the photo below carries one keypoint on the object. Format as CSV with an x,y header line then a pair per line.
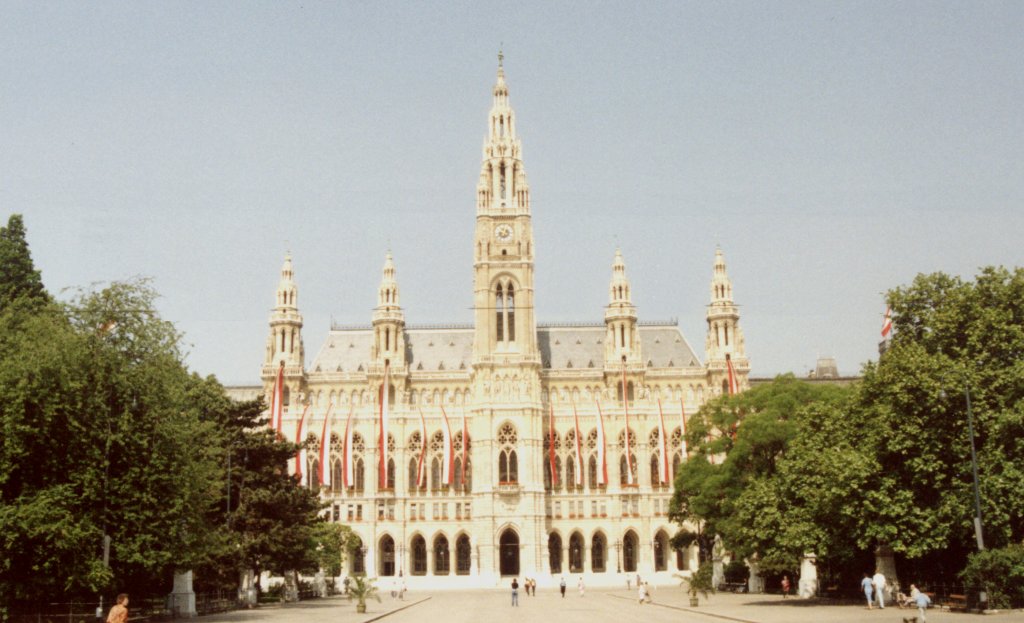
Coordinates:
x,y
618,555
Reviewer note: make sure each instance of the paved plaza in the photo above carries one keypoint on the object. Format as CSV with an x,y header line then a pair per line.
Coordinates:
x,y
611,606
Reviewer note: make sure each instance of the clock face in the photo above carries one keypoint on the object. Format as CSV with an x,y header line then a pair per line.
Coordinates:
x,y
503,233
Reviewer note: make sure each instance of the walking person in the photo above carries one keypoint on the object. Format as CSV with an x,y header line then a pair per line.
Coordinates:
x,y
561,587
785,586
515,592
580,586
869,590
629,580
119,611
641,593
923,601
647,593
879,582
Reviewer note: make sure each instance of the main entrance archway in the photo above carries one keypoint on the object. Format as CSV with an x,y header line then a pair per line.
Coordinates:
x,y
509,556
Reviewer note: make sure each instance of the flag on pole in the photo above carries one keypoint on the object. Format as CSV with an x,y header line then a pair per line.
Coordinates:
x,y
449,458
300,436
465,444
577,456
602,462
325,449
346,463
682,429
277,401
887,323
625,406
551,446
663,446
421,471
382,438
733,381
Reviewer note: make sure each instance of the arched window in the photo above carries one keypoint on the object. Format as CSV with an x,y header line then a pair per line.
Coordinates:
x,y
435,474
629,552
510,309
592,472
598,547
499,313
463,555
576,553
419,555
336,476
624,469
442,560
314,474
391,474
570,473
655,471
508,463
360,474
555,552
413,468
547,471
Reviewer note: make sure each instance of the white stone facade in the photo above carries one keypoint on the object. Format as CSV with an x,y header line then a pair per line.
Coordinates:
x,y
510,381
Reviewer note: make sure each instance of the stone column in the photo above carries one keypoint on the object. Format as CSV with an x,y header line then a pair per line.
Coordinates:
x,y
183,599
808,576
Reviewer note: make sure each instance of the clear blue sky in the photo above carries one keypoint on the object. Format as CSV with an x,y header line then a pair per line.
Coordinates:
x,y
833,151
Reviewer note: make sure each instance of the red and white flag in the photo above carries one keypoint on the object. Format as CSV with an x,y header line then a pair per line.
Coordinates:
x,y
551,446
662,446
577,455
382,437
277,401
300,436
446,470
602,461
733,381
346,463
325,449
887,323
682,428
465,445
625,405
421,469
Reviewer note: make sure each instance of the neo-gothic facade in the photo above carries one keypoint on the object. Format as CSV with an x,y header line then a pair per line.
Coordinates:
x,y
515,506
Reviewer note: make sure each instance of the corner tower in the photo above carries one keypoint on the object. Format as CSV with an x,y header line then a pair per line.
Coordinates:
x,y
503,258
285,348
622,342
388,321
724,346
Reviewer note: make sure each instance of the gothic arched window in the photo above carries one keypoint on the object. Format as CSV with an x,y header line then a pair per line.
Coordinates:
x,y
463,555
419,555
508,463
442,560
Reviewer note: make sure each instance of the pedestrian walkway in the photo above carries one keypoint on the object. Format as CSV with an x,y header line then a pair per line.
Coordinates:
x,y
671,605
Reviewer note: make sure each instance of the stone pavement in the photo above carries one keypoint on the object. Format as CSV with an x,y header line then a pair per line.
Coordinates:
x,y
600,606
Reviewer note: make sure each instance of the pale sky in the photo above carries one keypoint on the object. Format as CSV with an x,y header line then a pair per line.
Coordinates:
x,y
833,150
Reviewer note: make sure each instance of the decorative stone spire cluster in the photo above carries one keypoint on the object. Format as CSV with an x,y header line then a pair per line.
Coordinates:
x,y
388,320
725,337
622,341
285,341
502,187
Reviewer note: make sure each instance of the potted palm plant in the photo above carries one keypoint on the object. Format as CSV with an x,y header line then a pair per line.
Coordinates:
x,y
700,582
361,588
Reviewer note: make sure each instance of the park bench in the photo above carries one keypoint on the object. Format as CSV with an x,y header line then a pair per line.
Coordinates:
x,y
956,602
732,587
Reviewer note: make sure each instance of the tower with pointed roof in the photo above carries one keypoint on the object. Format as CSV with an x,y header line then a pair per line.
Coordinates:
x,y
503,261
284,344
622,351
724,342
388,321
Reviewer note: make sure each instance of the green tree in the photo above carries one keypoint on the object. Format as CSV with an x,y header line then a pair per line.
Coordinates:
x,y
19,278
739,442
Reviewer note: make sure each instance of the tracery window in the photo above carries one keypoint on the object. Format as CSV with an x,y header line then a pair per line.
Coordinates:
x,y
598,547
358,465
504,312
576,553
419,555
508,463
437,461
442,562
460,483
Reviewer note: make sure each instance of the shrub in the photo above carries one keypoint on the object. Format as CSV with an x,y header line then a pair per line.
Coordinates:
x,y
1000,572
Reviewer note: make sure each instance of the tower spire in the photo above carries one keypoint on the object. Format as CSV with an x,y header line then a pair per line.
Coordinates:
x,y
388,320
285,342
724,345
622,344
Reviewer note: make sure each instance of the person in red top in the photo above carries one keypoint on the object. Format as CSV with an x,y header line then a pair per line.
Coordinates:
x,y
119,613
785,586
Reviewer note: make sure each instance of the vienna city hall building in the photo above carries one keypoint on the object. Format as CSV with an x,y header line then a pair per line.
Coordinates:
x,y
464,454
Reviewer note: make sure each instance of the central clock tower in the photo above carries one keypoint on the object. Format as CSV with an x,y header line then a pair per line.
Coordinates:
x,y
506,331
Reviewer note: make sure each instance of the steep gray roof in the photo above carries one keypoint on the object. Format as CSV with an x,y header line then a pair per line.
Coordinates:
x,y
451,348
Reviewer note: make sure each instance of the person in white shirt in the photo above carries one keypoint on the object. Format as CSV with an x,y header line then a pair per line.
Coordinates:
x,y
879,581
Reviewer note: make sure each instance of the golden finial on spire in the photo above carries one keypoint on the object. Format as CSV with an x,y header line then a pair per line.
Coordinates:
x,y
501,56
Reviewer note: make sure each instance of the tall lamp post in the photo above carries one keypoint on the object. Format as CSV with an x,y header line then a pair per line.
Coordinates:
x,y
618,555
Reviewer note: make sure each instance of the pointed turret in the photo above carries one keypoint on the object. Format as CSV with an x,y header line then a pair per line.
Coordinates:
x,y
284,345
388,321
502,187
724,343
285,341
622,342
